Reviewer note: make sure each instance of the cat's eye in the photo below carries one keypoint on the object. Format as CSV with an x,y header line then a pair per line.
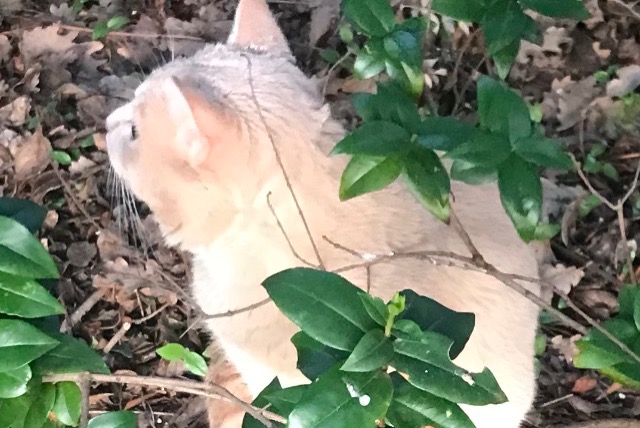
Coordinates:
x,y
134,131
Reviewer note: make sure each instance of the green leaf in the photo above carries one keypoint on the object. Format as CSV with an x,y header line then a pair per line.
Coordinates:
x,y
366,174
404,46
68,403
505,58
25,212
429,367
14,411
375,307
367,65
484,150
543,152
100,30
14,383
343,400
473,174
375,138
261,401
571,9
120,419
284,400
63,158
70,356
430,315
503,24
428,181
314,358
443,133
597,351
627,374
21,343
372,17
411,76
628,298
545,231
502,111
521,195
461,10
117,22
412,408
372,352
21,254
324,305
392,103
41,404
193,361
26,298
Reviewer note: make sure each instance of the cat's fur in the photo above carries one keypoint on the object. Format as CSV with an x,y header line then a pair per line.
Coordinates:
x,y
203,161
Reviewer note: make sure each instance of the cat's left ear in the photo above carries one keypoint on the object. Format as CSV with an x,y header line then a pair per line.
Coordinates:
x,y
202,126
255,26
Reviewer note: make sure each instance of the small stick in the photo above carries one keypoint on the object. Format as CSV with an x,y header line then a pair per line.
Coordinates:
x,y
81,310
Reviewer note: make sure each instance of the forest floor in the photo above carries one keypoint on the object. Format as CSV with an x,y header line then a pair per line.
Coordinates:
x,y
128,294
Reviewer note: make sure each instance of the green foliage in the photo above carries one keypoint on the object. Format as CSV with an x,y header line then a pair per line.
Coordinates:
x,y
103,28
349,343
594,165
596,351
193,361
121,419
27,352
505,24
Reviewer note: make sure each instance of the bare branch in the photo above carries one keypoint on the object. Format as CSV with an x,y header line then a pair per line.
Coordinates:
x,y
237,311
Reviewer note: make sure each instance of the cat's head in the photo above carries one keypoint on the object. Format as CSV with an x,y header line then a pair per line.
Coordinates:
x,y
196,141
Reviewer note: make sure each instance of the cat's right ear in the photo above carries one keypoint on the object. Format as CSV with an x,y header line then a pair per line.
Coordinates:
x,y
255,26
204,130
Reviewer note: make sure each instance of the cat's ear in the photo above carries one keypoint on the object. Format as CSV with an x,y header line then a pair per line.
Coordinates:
x,y
201,125
255,26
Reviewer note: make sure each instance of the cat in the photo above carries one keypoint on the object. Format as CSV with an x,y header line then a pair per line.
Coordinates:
x,y
197,145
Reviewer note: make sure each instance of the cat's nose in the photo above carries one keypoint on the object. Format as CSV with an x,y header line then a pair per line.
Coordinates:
x,y
120,115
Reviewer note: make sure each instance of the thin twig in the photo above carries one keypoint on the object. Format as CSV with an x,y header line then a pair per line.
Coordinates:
x,y
81,310
281,165
237,311
84,384
284,233
209,390
69,192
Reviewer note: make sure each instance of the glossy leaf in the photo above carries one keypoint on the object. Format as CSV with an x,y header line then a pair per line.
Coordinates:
x,y
374,351
284,400
372,17
627,297
461,10
21,343
571,9
543,152
14,411
392,103
120,419
68,402
261,401
503,24
70,356
41,404
484,150
13,383
324,305
375,307
597,351
22,254
367,65
404,46
25,212
26,298
502,111
314,358
432,316
375,138
473,174
521,195
505,57
428,181
366,174
414,408
443,133
343,400
429,367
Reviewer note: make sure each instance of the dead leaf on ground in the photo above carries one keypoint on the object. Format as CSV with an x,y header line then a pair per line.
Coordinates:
x,y
32,155
16,112
628,80
584,384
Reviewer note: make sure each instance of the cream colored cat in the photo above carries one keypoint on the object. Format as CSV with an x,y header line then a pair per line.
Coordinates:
x,y
194,146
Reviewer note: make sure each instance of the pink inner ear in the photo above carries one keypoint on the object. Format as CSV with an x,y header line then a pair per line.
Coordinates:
x,y
255,26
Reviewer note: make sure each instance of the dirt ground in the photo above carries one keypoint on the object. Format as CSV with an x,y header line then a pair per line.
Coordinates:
x,y
57,85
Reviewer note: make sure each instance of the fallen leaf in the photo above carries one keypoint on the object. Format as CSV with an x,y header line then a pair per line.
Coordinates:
x,y
584,384
628,80
32,155
16,112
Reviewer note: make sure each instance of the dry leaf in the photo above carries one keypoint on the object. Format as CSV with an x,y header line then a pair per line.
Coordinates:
x,y
584,384
322,17
16,112
32,155
628,80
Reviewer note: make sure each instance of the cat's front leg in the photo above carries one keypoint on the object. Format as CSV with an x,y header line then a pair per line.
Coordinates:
x,y
222,413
